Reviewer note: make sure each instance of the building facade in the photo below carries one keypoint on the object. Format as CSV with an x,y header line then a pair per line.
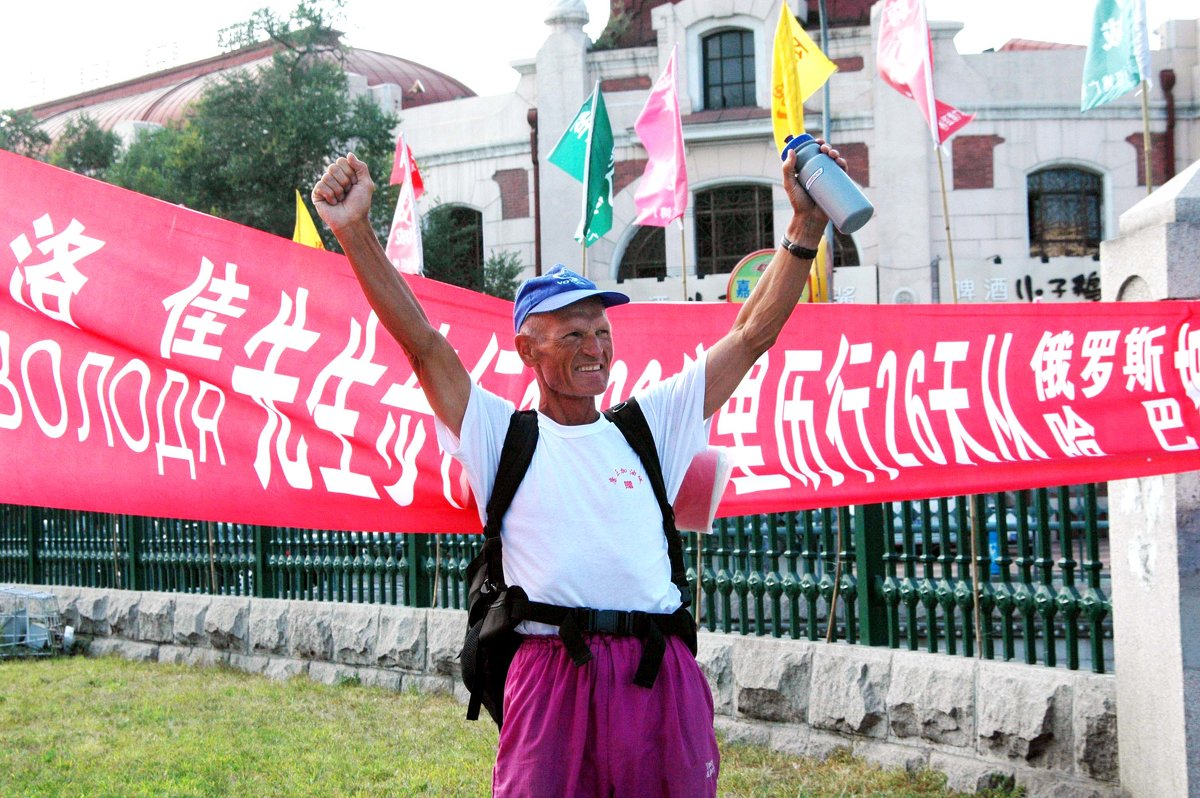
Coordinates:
x,y
1031,186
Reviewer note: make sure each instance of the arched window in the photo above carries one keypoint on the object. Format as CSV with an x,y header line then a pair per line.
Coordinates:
x,y
731,222
729,69
645,255
845,253
1065,209
452,241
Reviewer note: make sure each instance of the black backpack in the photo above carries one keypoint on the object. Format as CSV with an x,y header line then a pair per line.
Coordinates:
x,y
495,608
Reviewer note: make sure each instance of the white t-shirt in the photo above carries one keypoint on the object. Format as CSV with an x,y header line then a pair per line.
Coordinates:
x,y
584,528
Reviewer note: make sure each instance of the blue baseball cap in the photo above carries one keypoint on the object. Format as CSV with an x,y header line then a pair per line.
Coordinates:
x,y
556,289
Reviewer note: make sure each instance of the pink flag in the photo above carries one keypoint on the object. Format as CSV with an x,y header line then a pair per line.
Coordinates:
x,y
404,239
661,196
905,60
404,168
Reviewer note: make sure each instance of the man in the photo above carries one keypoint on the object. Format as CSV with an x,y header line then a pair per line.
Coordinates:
x,y
571,538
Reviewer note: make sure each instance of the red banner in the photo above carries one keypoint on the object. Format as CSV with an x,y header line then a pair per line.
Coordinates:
x,y
157,361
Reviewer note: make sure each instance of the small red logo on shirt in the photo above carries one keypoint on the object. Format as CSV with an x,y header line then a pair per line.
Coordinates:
x,y
626,478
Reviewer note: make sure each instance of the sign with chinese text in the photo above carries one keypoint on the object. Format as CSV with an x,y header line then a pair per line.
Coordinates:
x,y
157,361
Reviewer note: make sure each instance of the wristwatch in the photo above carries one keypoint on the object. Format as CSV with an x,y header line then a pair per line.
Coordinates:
x,y
804,253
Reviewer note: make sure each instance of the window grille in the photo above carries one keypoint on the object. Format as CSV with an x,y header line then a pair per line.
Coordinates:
x,y
1065,207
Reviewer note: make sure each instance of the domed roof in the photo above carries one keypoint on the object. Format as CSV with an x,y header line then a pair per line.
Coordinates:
x,y
162,97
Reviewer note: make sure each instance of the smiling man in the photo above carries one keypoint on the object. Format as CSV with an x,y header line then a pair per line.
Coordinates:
x,y
584,532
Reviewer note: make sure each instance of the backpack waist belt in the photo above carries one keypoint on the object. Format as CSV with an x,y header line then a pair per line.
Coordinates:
x,y
649,627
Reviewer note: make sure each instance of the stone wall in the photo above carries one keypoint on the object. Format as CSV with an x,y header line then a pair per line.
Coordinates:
x,y
982,723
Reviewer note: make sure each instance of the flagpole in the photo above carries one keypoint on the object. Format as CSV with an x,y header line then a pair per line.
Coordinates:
x,y
1146,135
946,218
584,260
683,258
826,124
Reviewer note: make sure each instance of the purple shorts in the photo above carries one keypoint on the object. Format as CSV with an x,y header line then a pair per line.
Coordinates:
x,y
584,732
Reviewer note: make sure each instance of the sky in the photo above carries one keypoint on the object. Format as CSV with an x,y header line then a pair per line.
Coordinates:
x,y
56,48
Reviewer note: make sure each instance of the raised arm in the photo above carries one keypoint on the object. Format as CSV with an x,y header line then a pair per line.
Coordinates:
x,y
773,299
343,198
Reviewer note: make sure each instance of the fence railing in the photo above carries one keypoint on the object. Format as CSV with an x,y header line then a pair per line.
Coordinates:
x,y
897,575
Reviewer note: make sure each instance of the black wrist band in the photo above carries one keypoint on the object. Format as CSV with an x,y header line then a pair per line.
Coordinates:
x,y
804,253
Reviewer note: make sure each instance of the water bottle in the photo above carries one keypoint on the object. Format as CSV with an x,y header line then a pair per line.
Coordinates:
x,y
828,184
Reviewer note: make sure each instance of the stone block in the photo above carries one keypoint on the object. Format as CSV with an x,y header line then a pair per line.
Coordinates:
x,y
268,626
381,678
1039,784
430,684
1095,732
746,732
128,649
204,657
188,621
714,653
226,623
850,690
1024,714
771,679
248,663
310,635
969,774
171,655
68,604
444,632
354,629
402,639
932,696
332,673
282,668
892,755
804,741
156,618
122,612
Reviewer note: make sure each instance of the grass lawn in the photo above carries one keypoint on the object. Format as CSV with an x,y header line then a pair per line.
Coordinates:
x,y
75,727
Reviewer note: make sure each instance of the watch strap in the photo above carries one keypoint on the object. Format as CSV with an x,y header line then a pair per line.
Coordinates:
x,y
804,253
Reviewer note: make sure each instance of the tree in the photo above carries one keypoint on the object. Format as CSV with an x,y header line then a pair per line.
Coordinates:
x,y
502,274
451,246
19,133
255,137
86,148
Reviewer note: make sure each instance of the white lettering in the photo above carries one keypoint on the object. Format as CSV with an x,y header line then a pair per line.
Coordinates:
x,y
792,413
162,449
950,400
1002,419
134,366
51,348
8,420
914,410
104,363
208,424
888,369
1164,416
335,417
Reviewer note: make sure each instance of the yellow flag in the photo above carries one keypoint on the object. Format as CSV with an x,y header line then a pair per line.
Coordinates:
x,y
305,232
798,69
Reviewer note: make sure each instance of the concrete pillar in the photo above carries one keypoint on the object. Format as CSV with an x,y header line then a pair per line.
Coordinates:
x,y
1154,528
562,86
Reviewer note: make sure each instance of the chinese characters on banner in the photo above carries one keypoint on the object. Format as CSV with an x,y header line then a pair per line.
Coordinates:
x,y
158,361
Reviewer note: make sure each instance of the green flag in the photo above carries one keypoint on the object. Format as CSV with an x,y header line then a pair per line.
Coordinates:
x,y
1112,68
585,152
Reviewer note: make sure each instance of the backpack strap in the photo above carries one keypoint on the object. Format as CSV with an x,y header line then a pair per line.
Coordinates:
x,y
629,418
515,457
486,588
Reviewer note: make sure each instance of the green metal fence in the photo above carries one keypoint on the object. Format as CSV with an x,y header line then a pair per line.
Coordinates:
x,y
897,575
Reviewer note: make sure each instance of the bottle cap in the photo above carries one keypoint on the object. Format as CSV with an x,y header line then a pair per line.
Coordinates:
x,y
794,143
